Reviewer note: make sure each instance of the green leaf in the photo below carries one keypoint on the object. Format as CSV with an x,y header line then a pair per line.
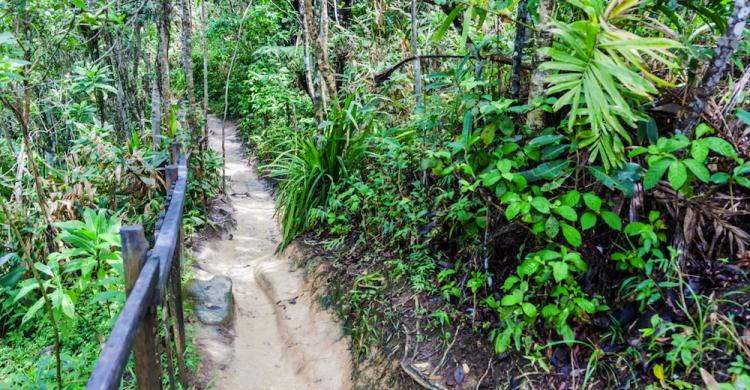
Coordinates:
x,y
571,198
588,220
488,134
529,309
677,175
744,116
699,170
703,129
612,220
541,203
447,23
587,306
566,212
552,227
719,146
655,172
67,306
699,151
572,235
513,298
719,178
560,270
512,210
550,310
592,201
543,140
32,310
528,267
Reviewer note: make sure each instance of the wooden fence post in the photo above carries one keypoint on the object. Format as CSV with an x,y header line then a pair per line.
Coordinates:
x,y
147,370
170,176
174,288
175,152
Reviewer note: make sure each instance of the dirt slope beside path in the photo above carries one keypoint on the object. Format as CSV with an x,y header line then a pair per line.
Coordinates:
x,y
278,338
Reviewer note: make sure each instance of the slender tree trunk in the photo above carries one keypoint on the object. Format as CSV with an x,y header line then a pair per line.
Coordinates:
x,y
204,146
187,67
415,52
518,46
327,79
163,63
536,119
306,52
309,30
722,53
205,70
155,106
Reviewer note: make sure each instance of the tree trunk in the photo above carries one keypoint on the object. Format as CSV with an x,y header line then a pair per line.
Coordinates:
x,y
415,52
327,82
722,53
187,67
520,42
155,106
163,63
205,71
537,119
308,30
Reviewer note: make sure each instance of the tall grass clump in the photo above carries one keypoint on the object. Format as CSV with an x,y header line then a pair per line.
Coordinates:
x,y
309,167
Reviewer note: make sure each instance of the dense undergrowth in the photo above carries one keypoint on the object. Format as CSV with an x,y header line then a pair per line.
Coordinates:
x,y
76,163
603,249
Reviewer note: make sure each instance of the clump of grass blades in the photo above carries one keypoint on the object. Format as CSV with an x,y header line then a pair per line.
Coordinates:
x,y
310,166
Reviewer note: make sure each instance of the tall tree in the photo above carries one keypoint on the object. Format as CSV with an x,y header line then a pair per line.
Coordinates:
x,y
415,52
187,67
722,53
162,61
536,118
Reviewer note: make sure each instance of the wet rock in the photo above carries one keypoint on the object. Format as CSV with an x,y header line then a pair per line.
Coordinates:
x,y
213,299
459,374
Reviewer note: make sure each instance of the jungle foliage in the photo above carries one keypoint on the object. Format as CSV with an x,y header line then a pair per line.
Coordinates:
x,y
77,162
572,226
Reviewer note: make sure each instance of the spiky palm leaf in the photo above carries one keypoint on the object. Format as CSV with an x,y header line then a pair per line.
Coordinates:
x,y
593,67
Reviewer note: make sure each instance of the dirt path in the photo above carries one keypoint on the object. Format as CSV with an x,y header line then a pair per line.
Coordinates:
x,y
278,338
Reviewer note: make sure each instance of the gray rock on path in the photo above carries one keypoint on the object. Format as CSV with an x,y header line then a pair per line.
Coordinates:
x,y
213,299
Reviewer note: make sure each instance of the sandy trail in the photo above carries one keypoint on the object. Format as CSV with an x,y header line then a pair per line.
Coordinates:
x,y
279,339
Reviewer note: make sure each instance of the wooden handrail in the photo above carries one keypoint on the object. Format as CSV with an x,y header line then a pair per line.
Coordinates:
x,y
152,282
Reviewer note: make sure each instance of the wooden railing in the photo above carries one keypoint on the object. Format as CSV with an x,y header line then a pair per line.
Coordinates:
x,y
152,285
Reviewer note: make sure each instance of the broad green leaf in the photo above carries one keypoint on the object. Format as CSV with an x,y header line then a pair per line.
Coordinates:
x,y
571,234
67,306
719,146
566,212
552,227
699,170
699,151
612,220
655,172
32,310
560,270
512,210
592,201
677,175
571,198
513,298
744,116
529,309
588,220
541,204
719,178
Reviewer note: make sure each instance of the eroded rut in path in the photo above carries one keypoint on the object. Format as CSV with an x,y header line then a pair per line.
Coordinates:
x,y
278,338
